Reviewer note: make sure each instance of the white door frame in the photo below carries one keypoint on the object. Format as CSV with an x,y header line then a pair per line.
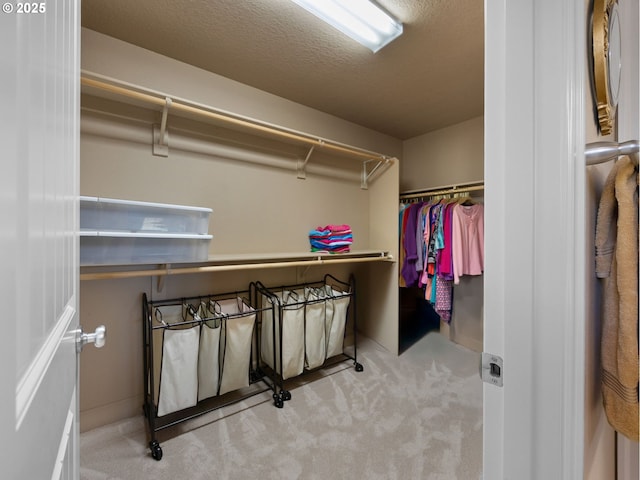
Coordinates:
x,y
535,54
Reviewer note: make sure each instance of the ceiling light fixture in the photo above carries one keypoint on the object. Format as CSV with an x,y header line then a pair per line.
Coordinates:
x,y
362,20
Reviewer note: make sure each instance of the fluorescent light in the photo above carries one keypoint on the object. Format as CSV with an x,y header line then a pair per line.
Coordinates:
x,y
362,20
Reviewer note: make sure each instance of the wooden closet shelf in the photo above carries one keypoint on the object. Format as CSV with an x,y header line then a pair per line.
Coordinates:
x,y
222,263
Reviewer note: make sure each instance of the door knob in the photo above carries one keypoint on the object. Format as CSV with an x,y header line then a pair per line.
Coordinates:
x,y
98,338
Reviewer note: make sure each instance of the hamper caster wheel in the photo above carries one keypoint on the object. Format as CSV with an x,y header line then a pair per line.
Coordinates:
x,y
359,367
285,395
278,403
156,450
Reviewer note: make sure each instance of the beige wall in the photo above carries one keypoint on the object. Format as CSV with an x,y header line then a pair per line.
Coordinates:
x,y
259,205
110,57
603,447
249,201
444,157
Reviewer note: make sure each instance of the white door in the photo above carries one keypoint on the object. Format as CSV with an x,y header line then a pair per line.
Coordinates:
x,y
39,181
536,91
535,88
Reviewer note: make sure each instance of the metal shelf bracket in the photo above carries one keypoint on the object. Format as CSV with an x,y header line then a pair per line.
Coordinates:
x,y
161,278
302,164
366,176
161,134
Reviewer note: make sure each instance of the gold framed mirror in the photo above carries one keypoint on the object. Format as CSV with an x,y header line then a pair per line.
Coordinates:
x,y
606,61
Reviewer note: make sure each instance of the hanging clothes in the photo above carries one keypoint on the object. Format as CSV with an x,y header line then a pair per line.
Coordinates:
x,y
443,302
468,240
440,241
617,264
409,272
445,263
444,299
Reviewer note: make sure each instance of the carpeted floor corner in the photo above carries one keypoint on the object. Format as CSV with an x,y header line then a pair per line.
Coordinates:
x,y
416,416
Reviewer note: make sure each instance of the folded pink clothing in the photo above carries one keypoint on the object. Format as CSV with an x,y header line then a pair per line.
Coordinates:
x,y
335,228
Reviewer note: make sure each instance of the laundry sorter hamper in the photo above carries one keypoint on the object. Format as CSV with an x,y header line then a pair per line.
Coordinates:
x,y
303,328
200,354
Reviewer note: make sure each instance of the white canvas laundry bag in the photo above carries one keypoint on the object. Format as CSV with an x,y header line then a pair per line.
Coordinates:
x,y
236,343
315,346
209,355
289,359
179,370
340,305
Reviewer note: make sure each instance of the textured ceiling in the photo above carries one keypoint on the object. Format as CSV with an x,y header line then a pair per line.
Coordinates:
x,y
430,77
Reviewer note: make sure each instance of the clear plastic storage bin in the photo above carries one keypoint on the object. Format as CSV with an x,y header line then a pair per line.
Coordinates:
x,y
118,248
113,215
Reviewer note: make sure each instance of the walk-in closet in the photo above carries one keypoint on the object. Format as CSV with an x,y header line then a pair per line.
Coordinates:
x,y
240,244
262,211
267,185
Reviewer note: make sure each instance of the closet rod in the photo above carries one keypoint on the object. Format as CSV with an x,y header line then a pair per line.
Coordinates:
x,y
223,268
442,191
600,152
160,100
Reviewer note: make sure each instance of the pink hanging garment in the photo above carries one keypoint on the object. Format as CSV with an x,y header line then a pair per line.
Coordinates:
x,y
468,240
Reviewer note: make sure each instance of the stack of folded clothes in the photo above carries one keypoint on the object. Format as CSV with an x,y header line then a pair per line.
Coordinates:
x,y
331,239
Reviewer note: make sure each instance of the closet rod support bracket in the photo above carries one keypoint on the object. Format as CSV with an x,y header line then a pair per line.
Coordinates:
x,y
301,273
167,268
161,134
302,164
366,176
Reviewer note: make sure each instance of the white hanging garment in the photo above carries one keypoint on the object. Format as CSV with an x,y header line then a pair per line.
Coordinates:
x,y
335,338
209,359
179,374
315,346
236,341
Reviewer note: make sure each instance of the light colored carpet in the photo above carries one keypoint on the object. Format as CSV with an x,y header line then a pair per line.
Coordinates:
x,y
416,416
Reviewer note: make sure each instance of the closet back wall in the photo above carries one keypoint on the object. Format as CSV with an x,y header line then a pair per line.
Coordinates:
x,y
447,156
257,208
444,157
